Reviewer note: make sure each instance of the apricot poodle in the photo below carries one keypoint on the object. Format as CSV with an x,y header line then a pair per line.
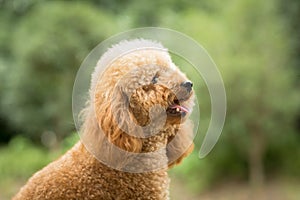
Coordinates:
x,y
134,128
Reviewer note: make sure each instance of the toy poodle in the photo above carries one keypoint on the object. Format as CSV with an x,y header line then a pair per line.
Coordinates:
x,y
135,127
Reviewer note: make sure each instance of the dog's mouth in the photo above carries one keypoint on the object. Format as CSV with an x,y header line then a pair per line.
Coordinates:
x,y
176,109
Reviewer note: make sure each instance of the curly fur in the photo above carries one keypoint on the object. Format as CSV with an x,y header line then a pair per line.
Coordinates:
x,y
121,99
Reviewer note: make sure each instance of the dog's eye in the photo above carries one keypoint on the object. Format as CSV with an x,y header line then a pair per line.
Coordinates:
x,y
154,79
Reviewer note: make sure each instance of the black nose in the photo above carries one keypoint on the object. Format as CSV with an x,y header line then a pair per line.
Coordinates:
x,y
188,85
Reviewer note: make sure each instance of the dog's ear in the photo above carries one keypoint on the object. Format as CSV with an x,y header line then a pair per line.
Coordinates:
x,y
181,145
117,122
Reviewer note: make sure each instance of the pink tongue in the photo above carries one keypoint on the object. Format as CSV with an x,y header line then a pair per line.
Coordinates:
x,y
181,108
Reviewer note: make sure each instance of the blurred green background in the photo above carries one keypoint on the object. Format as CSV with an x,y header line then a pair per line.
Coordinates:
x,y
255,44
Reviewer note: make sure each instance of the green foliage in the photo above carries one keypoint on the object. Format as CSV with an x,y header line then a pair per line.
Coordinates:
x,y
48,46
18,161
69,141
290,12
251,45
195,175
21,158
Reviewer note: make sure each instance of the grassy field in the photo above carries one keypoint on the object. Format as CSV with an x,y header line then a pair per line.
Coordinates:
x,y
279,189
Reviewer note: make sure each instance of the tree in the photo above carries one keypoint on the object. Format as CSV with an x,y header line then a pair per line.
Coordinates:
x,y
262,95
251,45
38,86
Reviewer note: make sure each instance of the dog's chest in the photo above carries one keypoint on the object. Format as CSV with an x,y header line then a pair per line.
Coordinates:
x,y
151,186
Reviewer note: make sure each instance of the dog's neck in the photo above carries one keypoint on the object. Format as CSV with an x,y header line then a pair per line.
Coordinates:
x,y
153,155
159,140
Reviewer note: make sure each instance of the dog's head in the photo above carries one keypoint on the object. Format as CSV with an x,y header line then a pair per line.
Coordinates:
x,y
163,90
141,99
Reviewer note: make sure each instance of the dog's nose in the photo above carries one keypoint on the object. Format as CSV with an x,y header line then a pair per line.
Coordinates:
x,y
188,85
